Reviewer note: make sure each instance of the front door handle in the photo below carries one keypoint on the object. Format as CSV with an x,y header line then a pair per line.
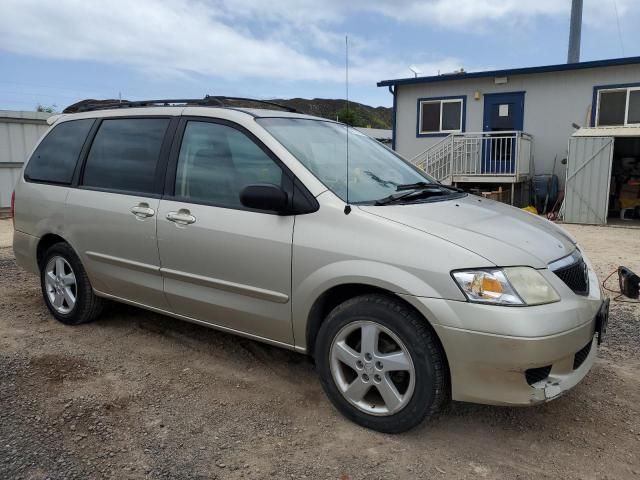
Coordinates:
x,y
142,210
181,217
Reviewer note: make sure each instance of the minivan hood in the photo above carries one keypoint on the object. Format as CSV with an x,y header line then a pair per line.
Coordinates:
x,y
502,234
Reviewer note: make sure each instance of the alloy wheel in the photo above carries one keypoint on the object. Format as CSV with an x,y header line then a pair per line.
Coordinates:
x,y
60,283
372,368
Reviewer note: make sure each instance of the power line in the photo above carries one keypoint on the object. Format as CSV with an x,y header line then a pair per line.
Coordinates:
x,y
615,7
39,94
12,101
83,91
88,90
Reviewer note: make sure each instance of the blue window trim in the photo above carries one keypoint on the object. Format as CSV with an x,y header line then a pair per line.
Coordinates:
x,y
394,91
431,99
596,90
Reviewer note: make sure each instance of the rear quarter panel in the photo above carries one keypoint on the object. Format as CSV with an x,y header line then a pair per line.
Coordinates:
x,y
39,210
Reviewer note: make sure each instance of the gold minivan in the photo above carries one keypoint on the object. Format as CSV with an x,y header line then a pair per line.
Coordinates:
x,y
304,233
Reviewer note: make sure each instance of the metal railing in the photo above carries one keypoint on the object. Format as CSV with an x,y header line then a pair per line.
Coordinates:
x,y
495,154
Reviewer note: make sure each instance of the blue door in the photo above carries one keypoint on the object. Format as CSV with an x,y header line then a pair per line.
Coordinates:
x,y
503,112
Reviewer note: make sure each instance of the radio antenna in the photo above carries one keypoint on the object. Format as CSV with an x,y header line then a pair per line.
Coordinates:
x,y
347,208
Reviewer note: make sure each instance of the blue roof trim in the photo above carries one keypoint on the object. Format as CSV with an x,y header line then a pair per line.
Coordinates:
x,y
513,71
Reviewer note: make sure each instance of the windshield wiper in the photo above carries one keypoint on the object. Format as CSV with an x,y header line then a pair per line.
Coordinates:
x,y
414,186
412,194
426,185
412,191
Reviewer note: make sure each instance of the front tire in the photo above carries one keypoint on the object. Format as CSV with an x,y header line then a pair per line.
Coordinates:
x,y
66,288
380,364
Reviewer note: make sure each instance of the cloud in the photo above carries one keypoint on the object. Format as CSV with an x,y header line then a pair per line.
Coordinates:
x,y
287,40
188,37
479,14
445,14
182,36
473,14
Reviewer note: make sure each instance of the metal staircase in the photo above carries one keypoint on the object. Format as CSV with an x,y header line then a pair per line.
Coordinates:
x,y
438,159
478,157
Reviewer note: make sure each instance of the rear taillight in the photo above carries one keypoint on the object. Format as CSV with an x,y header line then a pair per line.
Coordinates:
x,y
13,208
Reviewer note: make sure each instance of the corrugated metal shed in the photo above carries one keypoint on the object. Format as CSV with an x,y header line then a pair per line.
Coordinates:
x,y
588,177
19,132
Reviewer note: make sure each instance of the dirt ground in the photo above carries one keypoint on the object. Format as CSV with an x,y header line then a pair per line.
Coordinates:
x,y
6,233
139,395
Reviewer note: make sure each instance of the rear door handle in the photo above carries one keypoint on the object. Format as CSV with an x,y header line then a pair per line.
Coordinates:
x,y
181,217
142,210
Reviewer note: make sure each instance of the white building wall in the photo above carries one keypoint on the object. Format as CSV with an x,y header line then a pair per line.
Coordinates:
x,y
19,132
552,102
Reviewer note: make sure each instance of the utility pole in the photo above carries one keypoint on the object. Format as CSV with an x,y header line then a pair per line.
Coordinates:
x,y
575,31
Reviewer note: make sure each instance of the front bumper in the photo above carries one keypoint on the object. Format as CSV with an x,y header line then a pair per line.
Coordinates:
x,y
493,369
490,348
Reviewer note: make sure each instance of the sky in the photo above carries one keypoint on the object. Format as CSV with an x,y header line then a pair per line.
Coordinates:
x,y
56,52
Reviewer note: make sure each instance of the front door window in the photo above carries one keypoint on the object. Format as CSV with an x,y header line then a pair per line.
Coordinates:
x,y
217,161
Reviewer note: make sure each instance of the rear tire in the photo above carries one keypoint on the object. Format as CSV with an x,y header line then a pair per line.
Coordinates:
x,y
66,288
381,364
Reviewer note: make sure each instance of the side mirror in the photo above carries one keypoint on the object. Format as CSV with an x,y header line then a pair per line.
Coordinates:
x,y
265,196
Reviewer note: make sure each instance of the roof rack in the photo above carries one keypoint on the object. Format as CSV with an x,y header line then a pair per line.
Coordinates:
x,y
207,101
243,99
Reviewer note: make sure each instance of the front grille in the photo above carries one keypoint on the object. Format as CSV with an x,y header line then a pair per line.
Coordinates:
x,y
576,276
534,375
581,355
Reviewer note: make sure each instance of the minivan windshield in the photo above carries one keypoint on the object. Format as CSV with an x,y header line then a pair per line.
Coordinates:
x,y
375,172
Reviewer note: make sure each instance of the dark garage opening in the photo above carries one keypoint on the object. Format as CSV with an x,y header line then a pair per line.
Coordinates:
x,y
624,191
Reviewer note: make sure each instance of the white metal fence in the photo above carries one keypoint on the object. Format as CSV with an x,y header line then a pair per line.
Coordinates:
x,y
19,132
478,154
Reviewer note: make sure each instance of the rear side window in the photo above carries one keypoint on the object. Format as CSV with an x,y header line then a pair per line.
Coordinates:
x,y
124,154
56,156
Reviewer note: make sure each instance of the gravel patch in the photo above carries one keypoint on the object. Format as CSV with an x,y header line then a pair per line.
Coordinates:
x,y
139,395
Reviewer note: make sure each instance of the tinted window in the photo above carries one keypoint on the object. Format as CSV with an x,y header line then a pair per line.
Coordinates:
x,y
440,116
431,117
55,158
633,116
612,108
451,115
216,162
125,153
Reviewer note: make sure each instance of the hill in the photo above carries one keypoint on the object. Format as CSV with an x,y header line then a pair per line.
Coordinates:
x,y
365,115
360,115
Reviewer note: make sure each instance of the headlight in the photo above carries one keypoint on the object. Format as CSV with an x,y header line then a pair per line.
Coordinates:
x,y
506,286
531,286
